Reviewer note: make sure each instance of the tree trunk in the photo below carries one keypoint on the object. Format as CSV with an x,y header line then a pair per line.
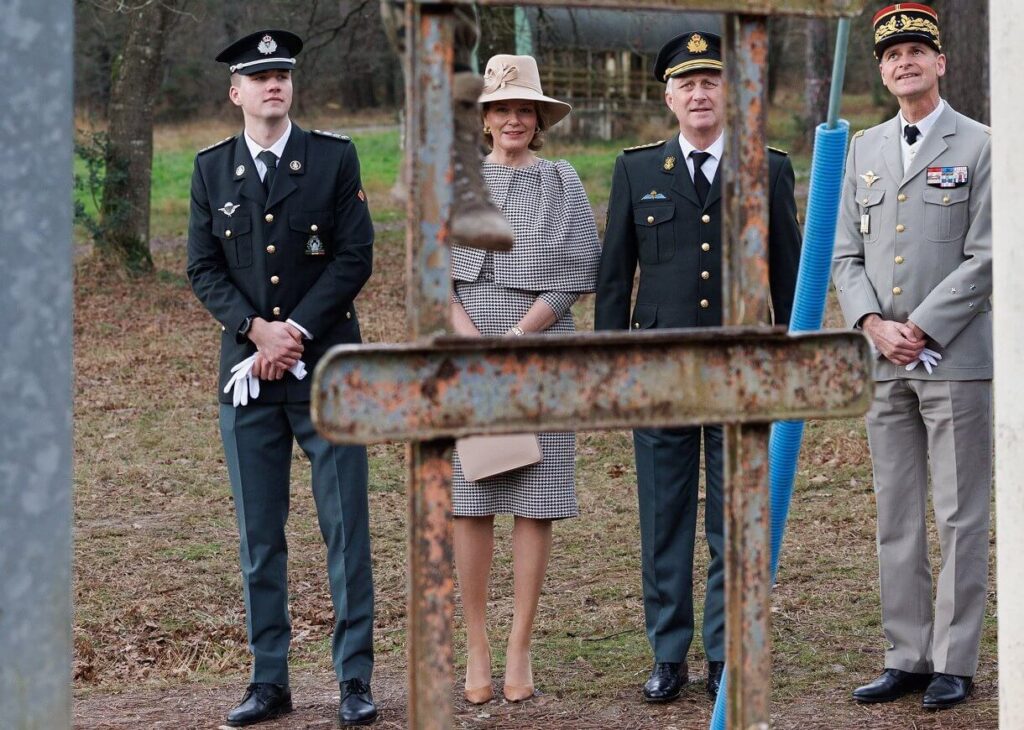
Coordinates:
x,y
124,210
818,73
964,28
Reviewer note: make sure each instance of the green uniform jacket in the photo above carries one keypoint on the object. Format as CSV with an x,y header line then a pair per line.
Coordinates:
x,y
303,254
655,219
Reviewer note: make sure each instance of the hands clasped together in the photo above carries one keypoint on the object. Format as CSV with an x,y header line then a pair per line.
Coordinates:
x,y
278,349
901,344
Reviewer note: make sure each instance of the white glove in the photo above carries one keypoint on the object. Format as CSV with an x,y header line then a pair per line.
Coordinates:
x,y
238,384
930,358
243,385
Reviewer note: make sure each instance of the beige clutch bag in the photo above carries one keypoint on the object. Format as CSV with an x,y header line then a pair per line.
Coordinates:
x,y
487,456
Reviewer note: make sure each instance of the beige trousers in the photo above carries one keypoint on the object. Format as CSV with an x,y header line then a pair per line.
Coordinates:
x,y
947,425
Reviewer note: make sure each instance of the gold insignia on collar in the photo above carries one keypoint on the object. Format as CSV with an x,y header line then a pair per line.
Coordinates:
x,y
295,165
869,177
697,44
670,162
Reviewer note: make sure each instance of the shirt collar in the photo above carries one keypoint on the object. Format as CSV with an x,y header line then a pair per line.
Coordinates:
x,y
716,149
277,148
925,124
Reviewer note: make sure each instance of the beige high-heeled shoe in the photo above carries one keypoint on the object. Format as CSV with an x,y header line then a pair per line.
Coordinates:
x,y
519,692
484,693
479,695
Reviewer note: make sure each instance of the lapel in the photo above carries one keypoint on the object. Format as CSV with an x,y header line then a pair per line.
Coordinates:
x,y
244,173
715,193
934,144
892,150
291,164
681,181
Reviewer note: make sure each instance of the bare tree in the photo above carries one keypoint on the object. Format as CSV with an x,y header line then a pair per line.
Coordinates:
x,y
818,72
964,26
123,238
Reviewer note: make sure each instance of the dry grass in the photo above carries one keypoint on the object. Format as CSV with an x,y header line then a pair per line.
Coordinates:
x,y
159,619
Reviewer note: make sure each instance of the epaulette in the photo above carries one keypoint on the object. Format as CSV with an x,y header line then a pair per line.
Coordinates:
x,y
647,146
776,149
333,135
215,145
858,133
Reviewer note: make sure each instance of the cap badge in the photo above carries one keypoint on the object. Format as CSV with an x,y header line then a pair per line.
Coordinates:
x,y
697,44
267,45
229,208
670,162
869,178
240,170
295,165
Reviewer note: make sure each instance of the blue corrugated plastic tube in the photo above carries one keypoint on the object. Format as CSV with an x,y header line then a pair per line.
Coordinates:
x,y
808,313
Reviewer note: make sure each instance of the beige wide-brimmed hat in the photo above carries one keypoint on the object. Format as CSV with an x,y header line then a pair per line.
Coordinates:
x,y
517,77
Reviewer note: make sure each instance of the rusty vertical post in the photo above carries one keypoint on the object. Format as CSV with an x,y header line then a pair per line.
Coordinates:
x,y
428,159
430,585
745,299
428,166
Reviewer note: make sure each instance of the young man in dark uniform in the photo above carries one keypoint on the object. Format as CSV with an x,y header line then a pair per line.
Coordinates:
x,y
665,215
280,243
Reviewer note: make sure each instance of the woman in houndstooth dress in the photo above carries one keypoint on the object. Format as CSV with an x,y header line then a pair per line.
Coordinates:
x,y
528,289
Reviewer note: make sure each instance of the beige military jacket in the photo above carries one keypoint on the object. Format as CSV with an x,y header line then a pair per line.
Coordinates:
x,y
918,245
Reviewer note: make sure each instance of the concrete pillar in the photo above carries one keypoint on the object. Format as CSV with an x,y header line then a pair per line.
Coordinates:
x,y
36,40
1007,28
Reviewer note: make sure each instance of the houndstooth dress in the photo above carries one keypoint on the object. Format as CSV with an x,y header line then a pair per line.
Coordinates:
x,y
555,258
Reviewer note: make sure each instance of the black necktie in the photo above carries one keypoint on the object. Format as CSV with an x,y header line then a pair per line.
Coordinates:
x,y
700,181
269,159
911,133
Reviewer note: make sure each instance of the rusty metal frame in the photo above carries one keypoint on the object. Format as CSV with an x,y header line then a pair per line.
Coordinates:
x,y
429,392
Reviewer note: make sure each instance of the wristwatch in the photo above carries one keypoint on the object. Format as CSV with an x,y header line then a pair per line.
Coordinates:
x,y
243,329
516,330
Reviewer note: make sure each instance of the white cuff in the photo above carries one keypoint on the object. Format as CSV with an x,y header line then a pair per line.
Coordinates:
x,y
300,328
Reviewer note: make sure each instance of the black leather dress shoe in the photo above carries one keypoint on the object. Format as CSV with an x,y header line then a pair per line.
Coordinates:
x,y
262,701
891,685
946,690
715,670
666,681
357,706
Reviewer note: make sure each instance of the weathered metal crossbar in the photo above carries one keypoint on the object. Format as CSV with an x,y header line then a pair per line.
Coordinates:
x,y
452,386
438,388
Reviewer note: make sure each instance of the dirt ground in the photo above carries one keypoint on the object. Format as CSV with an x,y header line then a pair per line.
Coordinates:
x,y
202,707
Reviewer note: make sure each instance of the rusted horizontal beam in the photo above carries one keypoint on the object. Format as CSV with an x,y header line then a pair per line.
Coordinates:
x,y
806,8
451,386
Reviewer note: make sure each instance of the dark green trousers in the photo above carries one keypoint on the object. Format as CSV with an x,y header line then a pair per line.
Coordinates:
x,y
668,470
258,449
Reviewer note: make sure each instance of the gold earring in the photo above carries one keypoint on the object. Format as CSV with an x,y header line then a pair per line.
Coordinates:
x,y
487,130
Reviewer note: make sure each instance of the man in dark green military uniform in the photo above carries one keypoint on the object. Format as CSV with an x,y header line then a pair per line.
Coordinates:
x,y
665,215
280,243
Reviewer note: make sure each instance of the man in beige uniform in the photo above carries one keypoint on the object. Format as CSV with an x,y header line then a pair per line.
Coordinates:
x,y
913,269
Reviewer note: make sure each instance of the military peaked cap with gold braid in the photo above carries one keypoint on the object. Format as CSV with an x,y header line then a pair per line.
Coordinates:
x,y
691,51
906,23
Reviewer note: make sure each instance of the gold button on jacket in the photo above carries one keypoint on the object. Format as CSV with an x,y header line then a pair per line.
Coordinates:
x,y
275,279
271,248
897,290
269,217
704,304
705,218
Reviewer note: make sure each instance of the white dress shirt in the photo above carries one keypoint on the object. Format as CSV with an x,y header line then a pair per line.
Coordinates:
x,y
277,148
710,166
923,126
